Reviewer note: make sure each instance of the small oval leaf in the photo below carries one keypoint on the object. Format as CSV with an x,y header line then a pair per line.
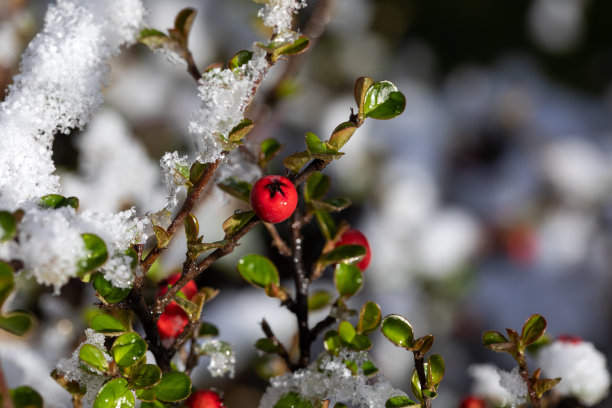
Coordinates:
x,y
316,186
435,373
115,394
208,329
533,329
17,323
346,331
331,342
107,291
383,101
173,387
96,254
318,300
348,279
8,226
258,270
492,337
25,397
107,324
398,330
399,402
128,349
145,376
93,357
369,318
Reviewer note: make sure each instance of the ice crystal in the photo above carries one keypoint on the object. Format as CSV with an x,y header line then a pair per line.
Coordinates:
x,y
329,378
278,14
72,371
175,171
501,388
222,358
582,369
59,87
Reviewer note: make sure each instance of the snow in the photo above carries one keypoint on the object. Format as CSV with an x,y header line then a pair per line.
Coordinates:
x,y
222,358
500,387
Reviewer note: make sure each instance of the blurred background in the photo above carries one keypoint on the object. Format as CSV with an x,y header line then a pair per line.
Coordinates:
x,y
487,200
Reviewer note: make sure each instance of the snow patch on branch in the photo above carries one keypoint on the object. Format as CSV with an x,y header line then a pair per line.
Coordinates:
x,y
278,14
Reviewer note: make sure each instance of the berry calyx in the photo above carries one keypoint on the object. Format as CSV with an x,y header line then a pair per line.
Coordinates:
x,y
472,402
173,320
273,198
204,399
355,237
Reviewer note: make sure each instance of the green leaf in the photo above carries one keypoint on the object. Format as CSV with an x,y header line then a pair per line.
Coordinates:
x,y
292,400
507,347
343,254
348,279
208,329
7,281
148,396
237,188
540,386
107,291
296,161
267,346
153,39
115,394
17,323
361,343
241,130
326,224
422,344
435,372
533,329
492,337
362,84
107,324
173,387
346,331
399,402
72,202
196,171
369,318
415,385
241,58
163,237
25,397
297,47
369,368
332,204
314,144
398,330
258,270
341,135
383,101
192,309
269,149
93,357
332,342
128,349
52,201
318,300
316,186
96,254
8,226
145,376
195,249
192,229
234,223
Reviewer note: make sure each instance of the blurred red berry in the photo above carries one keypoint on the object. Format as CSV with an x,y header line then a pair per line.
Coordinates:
x,y
189,290
568,338
204,399
273,198
472,402
355,237
173,320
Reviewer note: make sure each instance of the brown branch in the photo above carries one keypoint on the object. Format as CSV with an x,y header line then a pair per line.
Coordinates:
x,y
419,365
319,327
282,351
188,205
277,241
524,372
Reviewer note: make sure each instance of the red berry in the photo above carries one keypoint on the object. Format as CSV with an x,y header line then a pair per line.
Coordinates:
x,y
273,198
204,399
568,338
355,237
472,402
173,320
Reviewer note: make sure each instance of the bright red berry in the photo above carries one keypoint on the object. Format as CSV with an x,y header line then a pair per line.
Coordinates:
x,y
472,402
355,237
173,320
568,338
273,198
204,399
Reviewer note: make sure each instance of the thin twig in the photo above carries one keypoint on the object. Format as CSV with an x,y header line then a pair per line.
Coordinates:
x,y
524,372
277,241
319,327
282,351
419,365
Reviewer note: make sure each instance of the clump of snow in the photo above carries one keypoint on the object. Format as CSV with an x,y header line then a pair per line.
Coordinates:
x,y
72,371
500,387
171,167
59,87
278,14
114,169
222,358
582,368
329,378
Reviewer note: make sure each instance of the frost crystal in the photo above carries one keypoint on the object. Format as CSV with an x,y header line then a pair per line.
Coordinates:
x,y
72,371
329,378
222,358
501,388
582,369
278,14
59,87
